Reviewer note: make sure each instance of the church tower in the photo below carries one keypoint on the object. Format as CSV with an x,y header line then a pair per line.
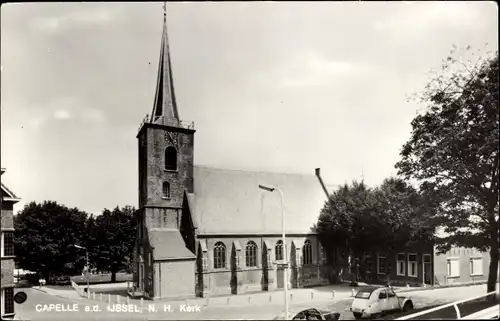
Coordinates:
x,y
165,175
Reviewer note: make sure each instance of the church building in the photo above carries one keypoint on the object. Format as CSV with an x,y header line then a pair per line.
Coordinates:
x,y
207,231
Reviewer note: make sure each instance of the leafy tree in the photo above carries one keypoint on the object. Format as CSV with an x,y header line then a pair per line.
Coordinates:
x,y
453,153
44,237
348,221
391,217
111,239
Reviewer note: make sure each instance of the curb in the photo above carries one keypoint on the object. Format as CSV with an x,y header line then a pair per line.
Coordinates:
x,y
445,286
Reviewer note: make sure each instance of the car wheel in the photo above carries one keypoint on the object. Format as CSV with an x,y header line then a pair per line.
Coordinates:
x,y
357,315
408,307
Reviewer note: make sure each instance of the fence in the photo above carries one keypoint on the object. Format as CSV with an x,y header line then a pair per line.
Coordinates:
x,y
109,298
455,304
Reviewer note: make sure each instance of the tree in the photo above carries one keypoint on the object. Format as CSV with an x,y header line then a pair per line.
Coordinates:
x,y
453,153
111,239
391,217
44,237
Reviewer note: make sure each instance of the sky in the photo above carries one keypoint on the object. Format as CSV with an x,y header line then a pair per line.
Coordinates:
x,y
282,87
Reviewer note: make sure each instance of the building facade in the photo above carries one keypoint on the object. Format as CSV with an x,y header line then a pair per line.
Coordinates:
x,y
460,265
205,231
8,200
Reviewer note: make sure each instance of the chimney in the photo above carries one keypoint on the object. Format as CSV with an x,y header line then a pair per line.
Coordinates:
x,y
321,182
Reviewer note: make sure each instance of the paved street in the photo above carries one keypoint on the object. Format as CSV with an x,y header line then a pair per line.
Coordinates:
x,y
27,311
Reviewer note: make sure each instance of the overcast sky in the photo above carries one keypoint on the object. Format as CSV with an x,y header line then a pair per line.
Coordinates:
x,y
282,87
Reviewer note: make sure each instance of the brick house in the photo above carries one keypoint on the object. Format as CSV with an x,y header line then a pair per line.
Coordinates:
x,y
204,231
8,200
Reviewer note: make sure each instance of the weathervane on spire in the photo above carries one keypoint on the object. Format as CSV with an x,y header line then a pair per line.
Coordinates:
x,y
165,10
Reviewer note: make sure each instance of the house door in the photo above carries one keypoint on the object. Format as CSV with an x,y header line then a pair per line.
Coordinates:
x,y
427,269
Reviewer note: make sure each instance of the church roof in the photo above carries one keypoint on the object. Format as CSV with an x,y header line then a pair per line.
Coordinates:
x,y
168,244
165,105
231,202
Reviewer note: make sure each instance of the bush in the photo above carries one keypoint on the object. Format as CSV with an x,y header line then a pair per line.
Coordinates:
x,y
32,278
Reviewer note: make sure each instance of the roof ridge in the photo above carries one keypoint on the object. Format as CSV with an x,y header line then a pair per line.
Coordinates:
x,y
12,195
253,171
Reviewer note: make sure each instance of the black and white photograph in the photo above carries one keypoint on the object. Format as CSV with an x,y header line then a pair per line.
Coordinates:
x,y
250,160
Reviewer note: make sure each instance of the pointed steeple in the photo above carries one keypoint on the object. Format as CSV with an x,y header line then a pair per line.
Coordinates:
x,y
165,107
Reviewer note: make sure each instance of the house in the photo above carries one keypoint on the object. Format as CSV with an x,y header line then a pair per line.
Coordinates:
x,y
8,200
205,231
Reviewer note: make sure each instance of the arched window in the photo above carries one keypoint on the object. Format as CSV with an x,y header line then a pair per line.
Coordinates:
x,y
251,254
171,158
166,189
219,255
307,253
279,250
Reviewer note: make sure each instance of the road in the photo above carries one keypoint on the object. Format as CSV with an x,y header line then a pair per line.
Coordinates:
x,y
28,310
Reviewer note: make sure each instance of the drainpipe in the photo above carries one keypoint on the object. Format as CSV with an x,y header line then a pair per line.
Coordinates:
x,y
318,174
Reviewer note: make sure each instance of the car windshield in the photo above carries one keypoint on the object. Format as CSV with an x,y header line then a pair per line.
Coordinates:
x,y
363,294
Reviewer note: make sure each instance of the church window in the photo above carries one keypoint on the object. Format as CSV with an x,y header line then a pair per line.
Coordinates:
x,y
251,254
307,253
166,189
219,256
279,250
171,158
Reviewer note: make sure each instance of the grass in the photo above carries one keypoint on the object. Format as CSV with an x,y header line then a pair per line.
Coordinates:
x,y
102,278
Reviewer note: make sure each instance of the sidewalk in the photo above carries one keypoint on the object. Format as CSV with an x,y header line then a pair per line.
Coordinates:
x,y
296,296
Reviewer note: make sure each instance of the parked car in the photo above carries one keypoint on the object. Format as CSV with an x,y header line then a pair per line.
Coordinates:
x,y
374,302
309,314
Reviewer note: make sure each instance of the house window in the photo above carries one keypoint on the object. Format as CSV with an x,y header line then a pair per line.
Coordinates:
x,y
368,263
171,158
279,251
307,253
219,256
401,268
8,300
251,254
476,266
166,189
7,245
381,264
412,265
453,268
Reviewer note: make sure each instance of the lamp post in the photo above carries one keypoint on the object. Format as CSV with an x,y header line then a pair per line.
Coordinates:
x,y
88,266
285,274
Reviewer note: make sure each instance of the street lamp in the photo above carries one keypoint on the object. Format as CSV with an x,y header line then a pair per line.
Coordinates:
x,y
88,266
285,274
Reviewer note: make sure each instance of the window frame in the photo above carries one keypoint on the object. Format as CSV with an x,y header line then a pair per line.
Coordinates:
x,y
175,157
471,266
220,256
10,301
449,269
381,256
279,246
3,245
307,255
166,194
368,260
398,262
409,264
252,249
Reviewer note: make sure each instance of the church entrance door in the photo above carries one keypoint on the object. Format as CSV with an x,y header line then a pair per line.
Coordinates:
x,y
280,273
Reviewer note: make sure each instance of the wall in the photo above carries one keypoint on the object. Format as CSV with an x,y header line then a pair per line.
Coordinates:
x,y
391,274
7,263
235,279
464,255
7,216
175,279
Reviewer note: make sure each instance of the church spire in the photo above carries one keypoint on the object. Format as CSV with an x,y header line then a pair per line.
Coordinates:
x,y
165,107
